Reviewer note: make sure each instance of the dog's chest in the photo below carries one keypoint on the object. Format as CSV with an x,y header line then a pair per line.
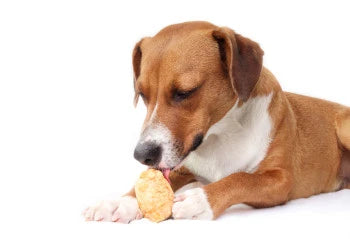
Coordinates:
x,y
237,143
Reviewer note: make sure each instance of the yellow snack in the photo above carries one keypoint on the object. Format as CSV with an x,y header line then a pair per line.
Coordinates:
x,y
154,195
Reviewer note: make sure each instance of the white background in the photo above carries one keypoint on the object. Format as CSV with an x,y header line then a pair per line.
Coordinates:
x,y
68,126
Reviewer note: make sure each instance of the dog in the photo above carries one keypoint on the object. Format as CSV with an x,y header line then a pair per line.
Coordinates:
x,y
216,115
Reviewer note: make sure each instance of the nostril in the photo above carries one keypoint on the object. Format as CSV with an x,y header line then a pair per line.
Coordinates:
x,y
153,152
148,153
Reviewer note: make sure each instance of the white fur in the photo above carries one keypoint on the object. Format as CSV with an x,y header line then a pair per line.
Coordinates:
x,y
154,114
161,135
236,143
123,210
192,204
158,133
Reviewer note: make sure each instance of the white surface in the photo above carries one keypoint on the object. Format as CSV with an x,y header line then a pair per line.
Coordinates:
x,y
322,216
68,127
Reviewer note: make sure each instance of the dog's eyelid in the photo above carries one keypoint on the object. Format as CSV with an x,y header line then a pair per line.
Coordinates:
x,y
180,95
140,90
186,91
144,98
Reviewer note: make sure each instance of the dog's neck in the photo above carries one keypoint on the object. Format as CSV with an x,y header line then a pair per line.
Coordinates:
x,y
266,84
236,143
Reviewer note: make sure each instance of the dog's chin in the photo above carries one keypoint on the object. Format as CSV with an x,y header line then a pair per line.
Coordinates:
x,y
168,166
173,165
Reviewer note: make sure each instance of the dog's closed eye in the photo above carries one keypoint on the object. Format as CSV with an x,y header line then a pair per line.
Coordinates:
x,y
144,98
180,95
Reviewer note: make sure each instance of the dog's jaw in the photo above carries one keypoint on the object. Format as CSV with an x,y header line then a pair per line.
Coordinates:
x,y
166,174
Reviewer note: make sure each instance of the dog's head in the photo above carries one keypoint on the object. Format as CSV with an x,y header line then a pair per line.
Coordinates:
x,y
189,75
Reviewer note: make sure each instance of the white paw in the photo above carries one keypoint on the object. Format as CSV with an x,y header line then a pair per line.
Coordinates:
x,y
123,210
192,204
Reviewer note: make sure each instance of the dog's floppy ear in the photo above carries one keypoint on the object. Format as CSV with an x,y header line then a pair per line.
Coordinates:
x,y
136,63
241,58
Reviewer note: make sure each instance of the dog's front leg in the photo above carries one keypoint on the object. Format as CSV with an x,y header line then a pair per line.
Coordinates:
x,y
261,189
125,209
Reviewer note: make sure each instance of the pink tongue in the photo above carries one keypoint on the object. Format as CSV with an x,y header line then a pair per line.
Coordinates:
x,y
166,173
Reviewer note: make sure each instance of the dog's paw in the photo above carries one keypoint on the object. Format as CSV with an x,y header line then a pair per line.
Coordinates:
x,y
192,204
123,210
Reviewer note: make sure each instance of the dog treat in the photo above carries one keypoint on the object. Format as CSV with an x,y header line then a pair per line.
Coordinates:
x,y
154,195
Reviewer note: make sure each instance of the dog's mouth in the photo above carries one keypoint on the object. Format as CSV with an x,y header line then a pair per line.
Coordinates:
x,y
165,168
166,174
197,141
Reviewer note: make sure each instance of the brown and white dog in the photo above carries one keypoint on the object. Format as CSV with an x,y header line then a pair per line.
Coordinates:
x,y
215,114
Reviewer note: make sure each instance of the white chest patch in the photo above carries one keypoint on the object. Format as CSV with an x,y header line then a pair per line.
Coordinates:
x,y
236,143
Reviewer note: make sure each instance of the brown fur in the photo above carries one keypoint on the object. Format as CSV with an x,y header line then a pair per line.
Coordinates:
x,y
309,138
242,60
172,56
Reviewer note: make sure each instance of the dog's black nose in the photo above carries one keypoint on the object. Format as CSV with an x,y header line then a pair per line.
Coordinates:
x,y
148,153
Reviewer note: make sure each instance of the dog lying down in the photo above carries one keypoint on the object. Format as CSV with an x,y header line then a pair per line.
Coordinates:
x,y
216,115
